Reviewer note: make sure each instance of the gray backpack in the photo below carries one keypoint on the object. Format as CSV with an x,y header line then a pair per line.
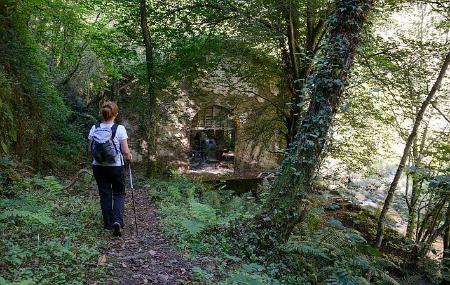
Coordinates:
x,y
103,148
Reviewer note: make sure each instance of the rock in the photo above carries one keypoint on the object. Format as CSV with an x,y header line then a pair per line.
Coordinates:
x,y
369,203
360,197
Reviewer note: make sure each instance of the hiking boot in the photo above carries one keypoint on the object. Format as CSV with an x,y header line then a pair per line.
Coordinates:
x,y
107,227
116,230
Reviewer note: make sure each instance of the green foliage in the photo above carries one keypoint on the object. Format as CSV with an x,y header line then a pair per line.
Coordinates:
x,y
32,109
322,250
48,183
336,255
47,235
6,114
191,210
430,268
250,274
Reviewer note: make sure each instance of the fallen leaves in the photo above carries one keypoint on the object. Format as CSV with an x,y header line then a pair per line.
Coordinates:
x,y
101,260
149,258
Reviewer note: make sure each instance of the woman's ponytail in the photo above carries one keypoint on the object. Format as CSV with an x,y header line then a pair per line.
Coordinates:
x,y
109,110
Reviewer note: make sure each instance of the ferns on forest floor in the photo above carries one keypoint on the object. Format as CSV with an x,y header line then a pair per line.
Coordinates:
x,y
335,257
188,209
46,234
322,251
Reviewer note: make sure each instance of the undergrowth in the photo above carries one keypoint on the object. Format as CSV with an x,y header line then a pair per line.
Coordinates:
x,y
321,251
48,235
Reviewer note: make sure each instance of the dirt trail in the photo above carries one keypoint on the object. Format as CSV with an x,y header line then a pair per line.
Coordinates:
x,y
149,258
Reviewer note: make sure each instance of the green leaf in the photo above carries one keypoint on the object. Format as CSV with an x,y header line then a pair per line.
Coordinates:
x,y
4,146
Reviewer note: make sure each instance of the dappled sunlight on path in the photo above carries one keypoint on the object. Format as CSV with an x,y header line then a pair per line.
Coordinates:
x,y
149,258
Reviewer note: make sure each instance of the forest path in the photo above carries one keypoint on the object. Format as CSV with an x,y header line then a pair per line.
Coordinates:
x,y
150,257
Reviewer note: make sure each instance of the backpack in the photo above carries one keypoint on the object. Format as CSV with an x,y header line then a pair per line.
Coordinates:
x,y
103,148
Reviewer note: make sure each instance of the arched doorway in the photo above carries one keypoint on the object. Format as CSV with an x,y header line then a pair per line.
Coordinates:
x,y
212,138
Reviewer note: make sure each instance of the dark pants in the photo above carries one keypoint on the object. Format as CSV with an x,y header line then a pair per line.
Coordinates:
x,y
111,187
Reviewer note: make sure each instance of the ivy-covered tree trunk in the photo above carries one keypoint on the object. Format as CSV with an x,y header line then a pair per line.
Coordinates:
x,y
150,125
287,204
406,151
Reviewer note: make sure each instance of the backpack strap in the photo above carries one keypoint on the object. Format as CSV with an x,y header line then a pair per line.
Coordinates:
x,y
96,126
114,130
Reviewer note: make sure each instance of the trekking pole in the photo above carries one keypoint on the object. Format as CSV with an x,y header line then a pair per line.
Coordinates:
x,y
132,197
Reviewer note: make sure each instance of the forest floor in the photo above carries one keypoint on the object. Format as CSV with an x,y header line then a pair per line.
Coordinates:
x,y
148,257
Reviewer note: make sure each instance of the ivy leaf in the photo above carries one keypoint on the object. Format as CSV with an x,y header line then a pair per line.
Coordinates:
x,y
4,147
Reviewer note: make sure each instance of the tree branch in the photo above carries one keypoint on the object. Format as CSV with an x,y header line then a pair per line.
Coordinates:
x,y
433,104
227,7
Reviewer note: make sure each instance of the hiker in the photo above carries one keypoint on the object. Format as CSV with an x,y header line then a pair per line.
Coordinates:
x,y
109,147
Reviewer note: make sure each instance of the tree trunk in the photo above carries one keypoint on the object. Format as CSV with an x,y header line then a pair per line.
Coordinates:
x,y
446,256
291,19
433,231
412,210
36,142
286,206
150,124
297,61
409,141
19,144
3,10
417,153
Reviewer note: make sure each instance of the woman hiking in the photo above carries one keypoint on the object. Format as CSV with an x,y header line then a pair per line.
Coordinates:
x,y
109,147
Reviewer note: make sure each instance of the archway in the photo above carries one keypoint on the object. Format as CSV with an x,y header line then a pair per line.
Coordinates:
x,y
212,139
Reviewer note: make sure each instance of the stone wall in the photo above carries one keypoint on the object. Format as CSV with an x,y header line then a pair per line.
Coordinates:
x,y
173,142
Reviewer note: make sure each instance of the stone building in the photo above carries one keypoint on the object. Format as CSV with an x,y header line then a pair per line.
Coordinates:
x,y
209,134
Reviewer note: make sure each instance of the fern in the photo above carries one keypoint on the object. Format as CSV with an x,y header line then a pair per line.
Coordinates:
x,y
203,212
332,237
360,261
244,277
49,183
386,279
413,279
384,263
174,192
193,227
344,278
26,216
306,250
